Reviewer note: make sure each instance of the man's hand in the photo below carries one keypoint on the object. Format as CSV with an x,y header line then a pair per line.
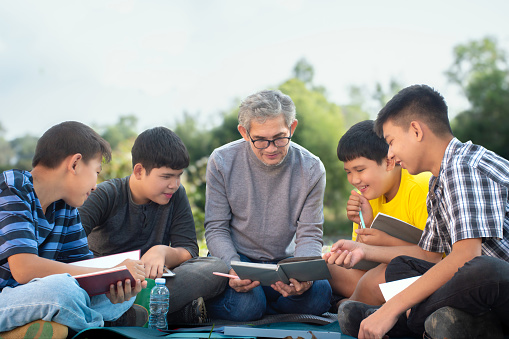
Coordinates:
x,y
371,236
241,286
294,288
345,253
154,260
357,203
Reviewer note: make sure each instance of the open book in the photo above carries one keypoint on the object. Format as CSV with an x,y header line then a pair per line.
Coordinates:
x,y
393,227
300,269
99,282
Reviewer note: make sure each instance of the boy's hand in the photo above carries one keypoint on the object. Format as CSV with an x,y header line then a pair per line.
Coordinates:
x,y
136,268
357,203
294,288
123,293
371,236
245,285
154,260
345,253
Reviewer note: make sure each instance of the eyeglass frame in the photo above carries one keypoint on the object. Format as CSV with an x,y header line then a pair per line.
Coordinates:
x,y
273,141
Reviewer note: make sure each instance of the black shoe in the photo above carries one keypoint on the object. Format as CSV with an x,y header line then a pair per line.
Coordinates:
x,y
352,313
451,323
135,316
193,313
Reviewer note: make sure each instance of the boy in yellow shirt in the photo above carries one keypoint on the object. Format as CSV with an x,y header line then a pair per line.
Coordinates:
x,y
382,186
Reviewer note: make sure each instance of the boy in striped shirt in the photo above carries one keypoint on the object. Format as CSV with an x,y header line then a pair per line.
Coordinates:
x,y
41,232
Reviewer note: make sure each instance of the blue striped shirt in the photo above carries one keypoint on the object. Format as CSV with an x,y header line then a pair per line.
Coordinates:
x,y
469,199
25,228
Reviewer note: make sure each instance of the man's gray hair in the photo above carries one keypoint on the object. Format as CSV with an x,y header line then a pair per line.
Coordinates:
x,y
265,105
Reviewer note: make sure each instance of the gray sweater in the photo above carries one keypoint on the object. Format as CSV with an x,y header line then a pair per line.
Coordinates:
x,y
264,212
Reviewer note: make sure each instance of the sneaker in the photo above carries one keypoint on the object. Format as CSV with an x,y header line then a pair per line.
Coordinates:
x,y
451,323
352,313
135,316
193,313
37,329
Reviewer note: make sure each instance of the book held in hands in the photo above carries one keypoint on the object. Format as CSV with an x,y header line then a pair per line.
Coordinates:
x,y
300,268
99,282
393,227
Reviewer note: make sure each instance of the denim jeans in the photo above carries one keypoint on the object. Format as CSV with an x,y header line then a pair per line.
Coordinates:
x,y
193,278
261,300
481,285
57,298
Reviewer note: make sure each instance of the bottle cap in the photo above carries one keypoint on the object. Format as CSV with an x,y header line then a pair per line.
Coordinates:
x,y
160,281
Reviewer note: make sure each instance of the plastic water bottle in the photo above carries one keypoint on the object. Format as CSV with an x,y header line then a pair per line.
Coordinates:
x,y
159,302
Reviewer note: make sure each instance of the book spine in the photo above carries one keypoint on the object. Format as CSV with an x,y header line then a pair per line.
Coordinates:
x,y
282,276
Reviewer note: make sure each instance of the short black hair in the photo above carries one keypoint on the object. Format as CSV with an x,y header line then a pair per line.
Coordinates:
x,y
159,147
417,102
69,138
361,141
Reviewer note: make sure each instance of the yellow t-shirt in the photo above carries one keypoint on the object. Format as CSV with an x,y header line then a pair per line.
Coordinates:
x,y
408,205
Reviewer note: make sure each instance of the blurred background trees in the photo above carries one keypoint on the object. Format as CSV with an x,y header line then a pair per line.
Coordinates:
x,y
479,70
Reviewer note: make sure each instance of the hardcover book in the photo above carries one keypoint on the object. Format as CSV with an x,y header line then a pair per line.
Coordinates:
x,y
99,282
300,269
393,227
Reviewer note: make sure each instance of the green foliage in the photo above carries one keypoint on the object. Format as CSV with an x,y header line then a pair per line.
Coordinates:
x,y
194,182
304,71
6,152
227,131
124,129
321,125
480,69
24,149
120,165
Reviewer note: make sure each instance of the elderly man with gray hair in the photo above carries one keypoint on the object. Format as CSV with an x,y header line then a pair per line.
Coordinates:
x,y
264,203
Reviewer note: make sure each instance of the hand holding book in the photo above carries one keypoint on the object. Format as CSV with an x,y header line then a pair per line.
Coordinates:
x,y
116,269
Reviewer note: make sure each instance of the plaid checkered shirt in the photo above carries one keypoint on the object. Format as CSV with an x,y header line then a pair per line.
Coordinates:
x,y
469,199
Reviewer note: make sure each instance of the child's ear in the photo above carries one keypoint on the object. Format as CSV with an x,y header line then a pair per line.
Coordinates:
x,y
73,162
391,163
138,171
416,128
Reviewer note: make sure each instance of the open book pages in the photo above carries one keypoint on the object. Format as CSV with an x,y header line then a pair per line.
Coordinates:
x,y
390,289
108,260
300,269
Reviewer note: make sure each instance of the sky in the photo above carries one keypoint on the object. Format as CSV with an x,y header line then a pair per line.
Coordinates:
x,y
96,60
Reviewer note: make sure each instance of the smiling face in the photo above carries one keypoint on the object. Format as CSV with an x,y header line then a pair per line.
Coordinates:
x,y
158,186
84,181
404,146
269,130
370,178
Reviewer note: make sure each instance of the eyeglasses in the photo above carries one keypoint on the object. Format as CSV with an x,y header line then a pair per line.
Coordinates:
x,y
262,143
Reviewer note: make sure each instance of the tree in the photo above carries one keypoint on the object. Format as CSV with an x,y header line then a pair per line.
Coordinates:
x,y
24,150
121,137
6,152
480,69
321,125
124,129
304,71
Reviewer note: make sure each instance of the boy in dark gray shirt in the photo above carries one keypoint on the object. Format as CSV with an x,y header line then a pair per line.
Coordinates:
x,y
149,210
